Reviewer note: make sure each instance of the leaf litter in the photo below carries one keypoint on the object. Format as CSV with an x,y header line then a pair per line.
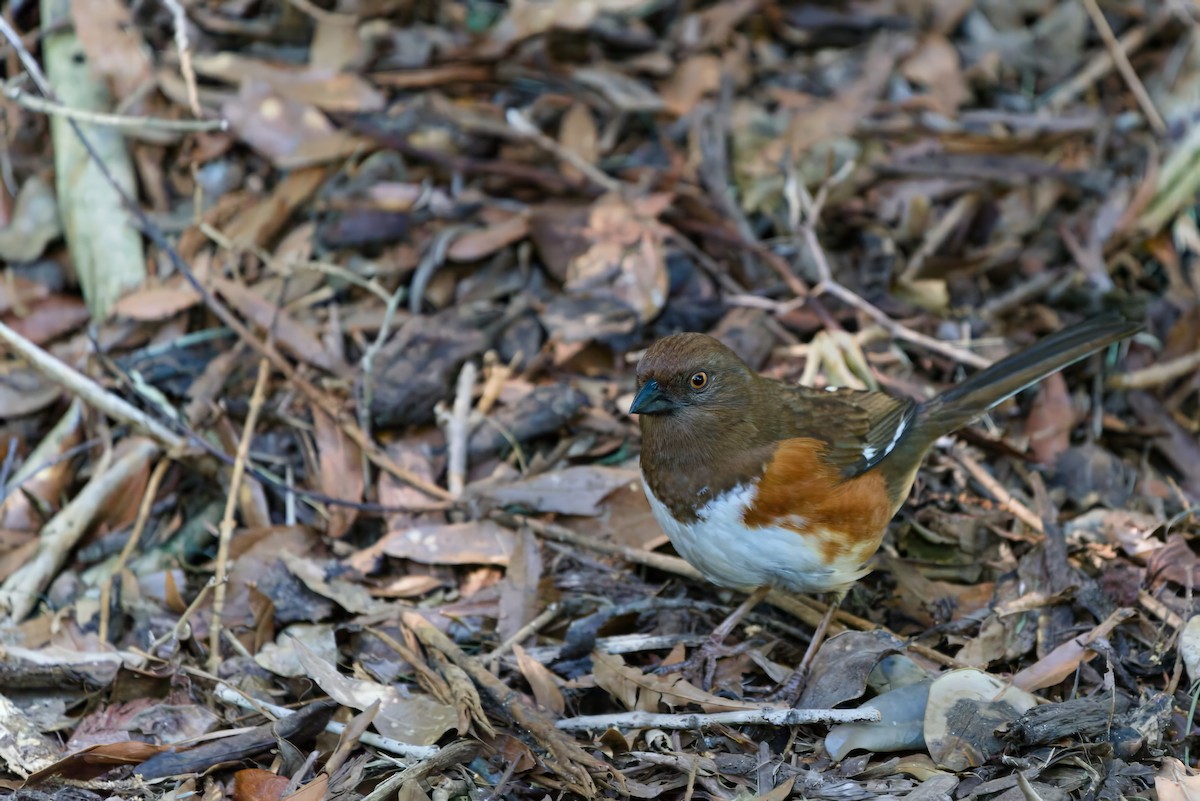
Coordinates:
x,y
451,229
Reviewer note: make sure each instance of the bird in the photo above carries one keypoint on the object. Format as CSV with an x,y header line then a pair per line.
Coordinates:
x,y
763,485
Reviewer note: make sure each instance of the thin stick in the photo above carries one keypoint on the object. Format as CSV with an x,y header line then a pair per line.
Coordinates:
x,y
523,633
530,131
1156,374
20,591
227,521
1121,59
1131,41
232,696
743,717
828,286
122,121
998,492
139,526
457,429
76,383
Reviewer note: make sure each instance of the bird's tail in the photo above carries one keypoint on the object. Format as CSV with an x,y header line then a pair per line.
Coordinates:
x,y
968,400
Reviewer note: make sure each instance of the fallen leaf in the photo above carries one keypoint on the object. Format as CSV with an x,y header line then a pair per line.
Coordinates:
x,y
541,681
483,542
416,719
577,490
646,691
156,303
341,469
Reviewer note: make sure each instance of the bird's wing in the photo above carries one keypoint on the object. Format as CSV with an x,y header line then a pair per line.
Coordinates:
x,y
860,427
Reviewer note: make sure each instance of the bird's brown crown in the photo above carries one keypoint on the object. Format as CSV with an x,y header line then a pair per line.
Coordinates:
x,y
693,371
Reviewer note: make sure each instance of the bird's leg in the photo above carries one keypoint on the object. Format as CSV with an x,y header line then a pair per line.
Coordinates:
x,y
791,689
712,648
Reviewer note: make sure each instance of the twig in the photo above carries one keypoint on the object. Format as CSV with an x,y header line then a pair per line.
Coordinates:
x,y
622,644
532,627
1159,610
227,521
139,526
453,755
176,630
457,429
20,591
179,21
742,717
93,394
42,105
998,492
1155,374
240,700
1121,59
1131,41
530,131
567,759
827,285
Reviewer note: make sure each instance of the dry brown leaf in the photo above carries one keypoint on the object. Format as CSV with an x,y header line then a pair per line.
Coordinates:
x,y
50,319
17,294
1176,781
24,390
644,691
520,589
482,243
696,77
325,89
292,336
290,133
576,490
577,133
410,718
541,681
113,43
256,784
97,760
483,542
935,64
341,470
1051,418
157,302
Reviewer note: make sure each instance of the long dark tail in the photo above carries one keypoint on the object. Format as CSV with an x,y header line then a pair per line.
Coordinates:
x,y
961,404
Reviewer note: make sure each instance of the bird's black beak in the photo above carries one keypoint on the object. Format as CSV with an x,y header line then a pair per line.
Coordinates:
x,y
651,400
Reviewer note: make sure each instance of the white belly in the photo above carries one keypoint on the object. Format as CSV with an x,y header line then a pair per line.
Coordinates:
x,y
729,554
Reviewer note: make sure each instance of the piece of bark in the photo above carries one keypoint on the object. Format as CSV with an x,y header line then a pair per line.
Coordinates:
x,y
541,412
417,368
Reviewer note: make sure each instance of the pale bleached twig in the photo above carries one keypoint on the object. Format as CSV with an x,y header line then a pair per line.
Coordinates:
x,y
458,428
21,590
139,526
227,521
806,214
1155,374
232,696
998,492
93,394
527,129
123,121
742,717
532,627
1121,59
183,47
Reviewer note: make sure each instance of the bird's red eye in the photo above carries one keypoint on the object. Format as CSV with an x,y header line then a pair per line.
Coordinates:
x,y
699,380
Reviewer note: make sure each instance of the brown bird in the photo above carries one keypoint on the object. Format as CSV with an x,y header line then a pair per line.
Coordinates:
x,y
762,485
